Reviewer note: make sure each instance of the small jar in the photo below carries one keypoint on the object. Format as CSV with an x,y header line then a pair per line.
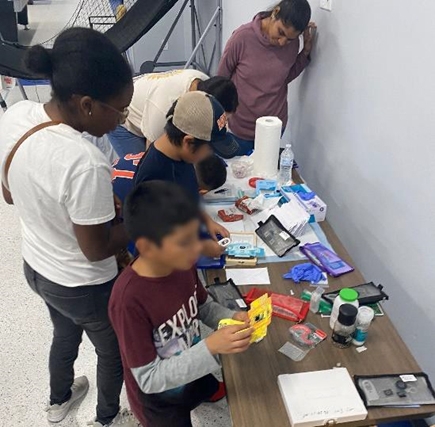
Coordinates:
x,y
239,168
363,321
344,327
346,296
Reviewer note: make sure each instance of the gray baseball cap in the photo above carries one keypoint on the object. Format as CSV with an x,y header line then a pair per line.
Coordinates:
x,y
201,115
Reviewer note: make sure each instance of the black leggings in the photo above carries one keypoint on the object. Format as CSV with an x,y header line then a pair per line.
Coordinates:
x,y
72,311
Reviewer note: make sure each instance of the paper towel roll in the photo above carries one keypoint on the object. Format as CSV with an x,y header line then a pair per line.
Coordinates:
x,y
267,144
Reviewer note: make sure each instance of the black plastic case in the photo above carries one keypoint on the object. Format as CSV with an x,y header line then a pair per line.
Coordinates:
x,y
368,293
227,294
392,391
275,235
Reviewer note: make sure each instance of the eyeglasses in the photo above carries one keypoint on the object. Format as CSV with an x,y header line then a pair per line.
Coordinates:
x,y
122,114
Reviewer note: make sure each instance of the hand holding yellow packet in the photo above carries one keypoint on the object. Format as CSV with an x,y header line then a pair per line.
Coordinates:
x,y
260,316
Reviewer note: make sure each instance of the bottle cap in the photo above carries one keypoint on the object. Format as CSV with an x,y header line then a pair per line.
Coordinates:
x,y
365,314
348,294
347,314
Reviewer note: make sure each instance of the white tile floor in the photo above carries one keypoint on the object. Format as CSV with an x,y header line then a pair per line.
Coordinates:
x,y
46,19
25,335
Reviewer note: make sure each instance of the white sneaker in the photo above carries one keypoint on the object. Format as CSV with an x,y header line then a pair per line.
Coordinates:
x,y
125,419
56,413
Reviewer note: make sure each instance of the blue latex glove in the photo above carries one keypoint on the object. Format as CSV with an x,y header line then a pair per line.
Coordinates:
x,y
305,196
305,272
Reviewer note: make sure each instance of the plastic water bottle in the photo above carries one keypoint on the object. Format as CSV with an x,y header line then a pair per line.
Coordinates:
x,y
286,165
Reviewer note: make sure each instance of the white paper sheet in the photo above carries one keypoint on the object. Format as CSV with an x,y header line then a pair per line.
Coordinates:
x,y
233,227
249,276
291,215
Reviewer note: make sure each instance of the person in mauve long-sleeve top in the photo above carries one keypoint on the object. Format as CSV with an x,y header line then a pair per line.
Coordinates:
x,y
262,58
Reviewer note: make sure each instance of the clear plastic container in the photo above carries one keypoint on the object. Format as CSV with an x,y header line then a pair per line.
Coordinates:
x,y
239,169
344,327
346,296
363,321
315,299
324,306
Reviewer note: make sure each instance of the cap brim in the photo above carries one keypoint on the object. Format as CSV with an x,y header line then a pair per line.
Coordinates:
x,y
226,147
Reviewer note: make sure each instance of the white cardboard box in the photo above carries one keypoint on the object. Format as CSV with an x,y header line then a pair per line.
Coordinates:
x,y
321,397
316,207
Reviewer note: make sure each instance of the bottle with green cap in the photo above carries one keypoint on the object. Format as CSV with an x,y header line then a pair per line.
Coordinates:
x,y
346,296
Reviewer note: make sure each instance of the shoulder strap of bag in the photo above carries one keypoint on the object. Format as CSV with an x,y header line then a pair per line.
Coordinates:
x,y
19,143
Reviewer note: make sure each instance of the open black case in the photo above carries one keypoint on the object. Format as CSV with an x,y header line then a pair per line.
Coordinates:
x,y
368,293
276,236
227,294
400,390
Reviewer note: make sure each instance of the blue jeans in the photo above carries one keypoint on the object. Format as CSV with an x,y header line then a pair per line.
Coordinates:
x,y
245,146
124,142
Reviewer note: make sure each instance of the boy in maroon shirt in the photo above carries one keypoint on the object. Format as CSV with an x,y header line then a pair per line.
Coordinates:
x,y
156,306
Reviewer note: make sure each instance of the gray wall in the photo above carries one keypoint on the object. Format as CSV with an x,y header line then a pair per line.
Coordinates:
x,y
238,12
362,119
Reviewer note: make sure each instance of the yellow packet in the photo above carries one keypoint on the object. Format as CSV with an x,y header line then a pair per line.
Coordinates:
x,y
229,322
260,316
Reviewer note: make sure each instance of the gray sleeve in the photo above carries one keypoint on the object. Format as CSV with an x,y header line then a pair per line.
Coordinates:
x,y
165,374
211,313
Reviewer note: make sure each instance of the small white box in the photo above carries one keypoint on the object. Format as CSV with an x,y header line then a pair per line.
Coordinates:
x,y
316,207
320,398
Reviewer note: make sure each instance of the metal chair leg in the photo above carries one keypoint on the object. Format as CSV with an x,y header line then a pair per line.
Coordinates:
x,y
3,103
21,87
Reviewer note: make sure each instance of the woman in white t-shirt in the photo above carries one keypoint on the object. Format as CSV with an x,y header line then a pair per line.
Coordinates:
x,y
154,94
60,184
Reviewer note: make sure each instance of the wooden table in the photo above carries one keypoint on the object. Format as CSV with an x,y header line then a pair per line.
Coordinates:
x,y
251,377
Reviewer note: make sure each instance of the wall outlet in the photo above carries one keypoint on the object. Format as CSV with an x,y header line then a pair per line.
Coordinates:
x,y
326,4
